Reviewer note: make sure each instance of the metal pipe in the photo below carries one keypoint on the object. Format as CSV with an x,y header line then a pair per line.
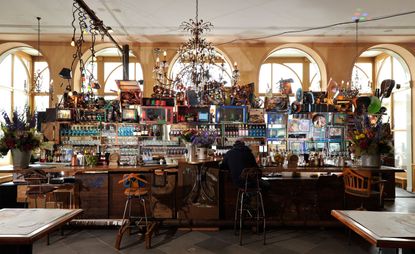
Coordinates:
x,y
125,61
97,22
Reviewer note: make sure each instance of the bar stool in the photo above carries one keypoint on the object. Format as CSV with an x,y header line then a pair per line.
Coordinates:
x,y
251,178
136,187
36,189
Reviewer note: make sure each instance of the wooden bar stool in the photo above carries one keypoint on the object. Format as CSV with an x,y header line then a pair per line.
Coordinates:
x,y
251,189
136,187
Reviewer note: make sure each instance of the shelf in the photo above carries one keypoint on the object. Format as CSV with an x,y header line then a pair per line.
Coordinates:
x,y
241,137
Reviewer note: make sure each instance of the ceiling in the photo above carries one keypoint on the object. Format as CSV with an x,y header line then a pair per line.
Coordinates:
x,y
158,21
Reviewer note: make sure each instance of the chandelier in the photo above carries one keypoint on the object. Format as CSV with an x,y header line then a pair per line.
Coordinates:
x,y
38,77
199,58
162,86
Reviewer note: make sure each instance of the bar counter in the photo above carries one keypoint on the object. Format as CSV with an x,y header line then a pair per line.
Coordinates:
x,y
306,196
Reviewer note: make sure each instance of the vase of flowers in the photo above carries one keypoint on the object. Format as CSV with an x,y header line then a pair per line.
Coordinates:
x,y
19,136
370,139
203,140
187,136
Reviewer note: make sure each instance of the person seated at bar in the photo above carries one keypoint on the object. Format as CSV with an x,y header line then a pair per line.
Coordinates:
x,y
236,160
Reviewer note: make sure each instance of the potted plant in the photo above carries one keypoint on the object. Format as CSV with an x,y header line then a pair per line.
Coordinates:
x,y
203,140
370,139
19,136
187,136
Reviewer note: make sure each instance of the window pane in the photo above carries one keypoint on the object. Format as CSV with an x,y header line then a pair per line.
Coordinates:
x,y
41,103
363,77
20,75
109,67
20,100
6,72
401,107
264,78
401,143
280,71
6,101
315,78
385,71
110,97
217,71
116,74
139,74
400,74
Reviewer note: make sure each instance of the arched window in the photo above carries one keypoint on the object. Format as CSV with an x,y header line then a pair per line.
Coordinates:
x,y
220,71
289,63
374,66
14,82
24,81
107,67
362,75
41,85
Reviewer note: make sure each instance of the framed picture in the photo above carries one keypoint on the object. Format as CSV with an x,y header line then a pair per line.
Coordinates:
x,y
256,115
335,133
320,146
334,147
298,125
275,118
339,119
296,147
281,133
316,146
319,133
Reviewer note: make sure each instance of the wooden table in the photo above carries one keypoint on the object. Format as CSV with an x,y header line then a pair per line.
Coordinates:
x,y
19,228
382,229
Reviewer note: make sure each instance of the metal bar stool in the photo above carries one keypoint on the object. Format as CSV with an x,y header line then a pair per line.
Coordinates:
x,y
251,178
136,187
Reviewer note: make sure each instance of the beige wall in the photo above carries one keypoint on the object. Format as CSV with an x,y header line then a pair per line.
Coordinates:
x,y
338,58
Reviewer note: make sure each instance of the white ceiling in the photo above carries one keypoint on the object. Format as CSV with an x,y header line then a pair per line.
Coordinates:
x,y
155,21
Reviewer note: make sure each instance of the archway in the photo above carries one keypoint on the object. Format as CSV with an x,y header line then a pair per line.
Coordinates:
x,y
300,53
221,71
107,52
387,61
29,77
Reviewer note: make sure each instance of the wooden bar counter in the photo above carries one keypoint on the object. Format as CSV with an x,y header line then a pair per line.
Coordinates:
x,y
306,197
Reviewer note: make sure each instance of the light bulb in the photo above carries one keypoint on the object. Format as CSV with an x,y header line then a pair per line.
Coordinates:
x,y
73,43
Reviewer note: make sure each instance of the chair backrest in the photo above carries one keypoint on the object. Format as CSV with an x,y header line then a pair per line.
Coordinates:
x,y
251,177
133,181
356,184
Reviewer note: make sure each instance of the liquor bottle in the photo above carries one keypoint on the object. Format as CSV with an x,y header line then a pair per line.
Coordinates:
x,y
241,131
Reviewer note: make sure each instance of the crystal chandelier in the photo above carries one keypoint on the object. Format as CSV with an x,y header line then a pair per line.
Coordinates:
x,y
38,78
355,82
199,58
162,86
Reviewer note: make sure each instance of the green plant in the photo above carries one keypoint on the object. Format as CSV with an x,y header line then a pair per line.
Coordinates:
x,y
19,132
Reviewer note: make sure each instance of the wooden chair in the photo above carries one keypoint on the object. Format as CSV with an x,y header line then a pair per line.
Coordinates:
x,y
361,185
136,187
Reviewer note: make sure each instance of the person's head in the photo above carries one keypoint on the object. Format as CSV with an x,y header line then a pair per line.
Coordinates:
x,y
239,143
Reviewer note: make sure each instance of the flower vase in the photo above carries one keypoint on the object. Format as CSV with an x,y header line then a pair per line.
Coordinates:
x,y
191,152
370,160
20,158
202,153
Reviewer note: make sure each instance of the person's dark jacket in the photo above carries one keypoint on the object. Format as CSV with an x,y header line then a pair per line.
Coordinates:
x,y
236,160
